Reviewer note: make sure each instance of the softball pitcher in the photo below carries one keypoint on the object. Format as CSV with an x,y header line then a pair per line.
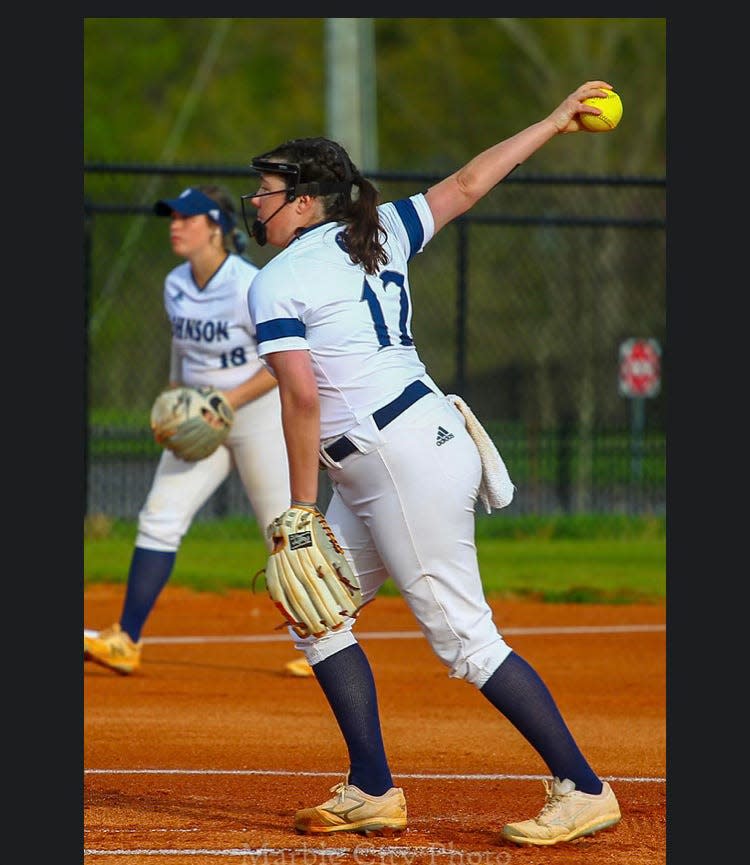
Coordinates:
x,y
212,343
332,312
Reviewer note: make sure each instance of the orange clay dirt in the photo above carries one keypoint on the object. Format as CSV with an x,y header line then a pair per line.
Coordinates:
x,y
204,754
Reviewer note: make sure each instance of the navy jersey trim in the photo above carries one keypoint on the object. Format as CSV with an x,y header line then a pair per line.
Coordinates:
x,y
408,214
278,328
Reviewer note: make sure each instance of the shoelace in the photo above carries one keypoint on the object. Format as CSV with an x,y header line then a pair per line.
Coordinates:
x,y
553,799
340,789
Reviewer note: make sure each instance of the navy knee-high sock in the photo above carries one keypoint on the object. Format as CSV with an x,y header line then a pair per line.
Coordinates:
x,y
516,690
148,574
348,684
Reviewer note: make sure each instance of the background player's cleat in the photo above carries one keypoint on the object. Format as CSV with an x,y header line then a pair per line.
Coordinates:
x,y
351,810
299,667
567,814
112,648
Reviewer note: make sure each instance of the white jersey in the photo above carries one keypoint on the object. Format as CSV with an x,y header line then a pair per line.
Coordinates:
x,y
357,327
213,339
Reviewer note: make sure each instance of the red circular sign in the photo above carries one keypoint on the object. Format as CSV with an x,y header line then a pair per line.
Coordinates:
x,y
640,367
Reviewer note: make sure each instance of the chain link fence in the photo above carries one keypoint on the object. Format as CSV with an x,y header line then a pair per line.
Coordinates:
x,y
521,307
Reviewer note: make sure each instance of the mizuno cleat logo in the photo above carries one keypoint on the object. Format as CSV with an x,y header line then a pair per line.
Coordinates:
x,y
339,811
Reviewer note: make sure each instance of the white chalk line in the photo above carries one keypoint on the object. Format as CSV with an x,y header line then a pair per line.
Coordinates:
x,y
407,635
431,776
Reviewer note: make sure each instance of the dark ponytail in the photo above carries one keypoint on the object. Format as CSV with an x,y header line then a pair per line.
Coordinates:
x,y
365,237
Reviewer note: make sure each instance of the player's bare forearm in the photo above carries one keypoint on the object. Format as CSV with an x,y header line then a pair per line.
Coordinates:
x,y
256,386
300,416
461,190
302,435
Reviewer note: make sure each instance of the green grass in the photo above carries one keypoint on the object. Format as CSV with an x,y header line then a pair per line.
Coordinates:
x,y
559,559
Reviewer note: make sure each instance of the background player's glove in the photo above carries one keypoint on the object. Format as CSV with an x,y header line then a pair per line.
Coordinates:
x,y
191,422
307,575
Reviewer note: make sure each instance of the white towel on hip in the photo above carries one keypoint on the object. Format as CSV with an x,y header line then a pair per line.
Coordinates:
x,y
496,488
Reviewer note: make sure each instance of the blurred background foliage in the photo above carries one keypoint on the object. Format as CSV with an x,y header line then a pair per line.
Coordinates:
x,y
208,90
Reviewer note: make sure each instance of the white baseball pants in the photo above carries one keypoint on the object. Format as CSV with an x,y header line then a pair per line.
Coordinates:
x,y
403,506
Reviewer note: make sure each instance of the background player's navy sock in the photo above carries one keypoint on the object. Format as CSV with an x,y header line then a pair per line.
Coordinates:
x,y
347,681
148,574
517,691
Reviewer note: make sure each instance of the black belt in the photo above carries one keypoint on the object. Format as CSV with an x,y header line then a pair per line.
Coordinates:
x,y
342,447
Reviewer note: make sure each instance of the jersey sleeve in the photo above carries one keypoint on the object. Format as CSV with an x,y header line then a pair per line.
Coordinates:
x,y
242,311
276,316
409,223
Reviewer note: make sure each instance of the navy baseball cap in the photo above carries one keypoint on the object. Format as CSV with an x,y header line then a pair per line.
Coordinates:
x,y
193,202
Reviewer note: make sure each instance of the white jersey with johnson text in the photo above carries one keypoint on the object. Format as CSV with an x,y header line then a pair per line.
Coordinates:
x,y
357,327
213,339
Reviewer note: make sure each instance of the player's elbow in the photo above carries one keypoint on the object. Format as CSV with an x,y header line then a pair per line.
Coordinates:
x,y
468,190
300,403
306,403
451,198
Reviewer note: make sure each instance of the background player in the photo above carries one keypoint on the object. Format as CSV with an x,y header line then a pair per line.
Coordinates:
x,y
332,313
209,287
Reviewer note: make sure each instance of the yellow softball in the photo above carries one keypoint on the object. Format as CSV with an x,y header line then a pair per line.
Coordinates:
x,y
611,108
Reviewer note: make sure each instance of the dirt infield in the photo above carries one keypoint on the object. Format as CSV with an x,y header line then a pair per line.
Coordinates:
x,y
202,757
